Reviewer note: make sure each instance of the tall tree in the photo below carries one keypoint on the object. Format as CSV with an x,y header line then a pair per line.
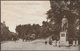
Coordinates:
x,y
68,8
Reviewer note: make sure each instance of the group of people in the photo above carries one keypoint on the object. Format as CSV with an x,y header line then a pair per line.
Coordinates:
x,y
57,43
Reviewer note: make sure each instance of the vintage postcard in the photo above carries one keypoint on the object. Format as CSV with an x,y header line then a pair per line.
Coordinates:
x,y
40,25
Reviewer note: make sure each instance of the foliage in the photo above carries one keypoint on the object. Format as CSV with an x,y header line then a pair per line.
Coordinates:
x,y
6,34
61,8
68,8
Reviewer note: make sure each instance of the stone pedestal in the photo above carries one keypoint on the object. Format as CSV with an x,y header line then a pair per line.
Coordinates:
x,y
63,41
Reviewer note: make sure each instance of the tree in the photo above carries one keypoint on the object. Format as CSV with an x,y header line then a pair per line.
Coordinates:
x,y
5,33
68,8
26,31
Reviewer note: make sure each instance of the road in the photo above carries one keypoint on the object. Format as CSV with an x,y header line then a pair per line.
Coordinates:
x,y
33,45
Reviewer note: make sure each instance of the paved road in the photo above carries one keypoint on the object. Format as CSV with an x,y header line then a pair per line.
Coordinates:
x,y
34,45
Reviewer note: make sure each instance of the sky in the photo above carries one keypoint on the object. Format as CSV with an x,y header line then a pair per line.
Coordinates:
x,y
23,12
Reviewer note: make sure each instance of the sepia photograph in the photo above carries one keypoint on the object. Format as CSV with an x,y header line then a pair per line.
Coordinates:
x,y
40,25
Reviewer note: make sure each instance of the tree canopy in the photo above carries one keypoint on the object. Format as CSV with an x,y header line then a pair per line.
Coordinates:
x,y
61,8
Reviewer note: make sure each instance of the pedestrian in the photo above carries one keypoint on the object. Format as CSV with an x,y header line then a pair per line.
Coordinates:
x,y
45,42
50,42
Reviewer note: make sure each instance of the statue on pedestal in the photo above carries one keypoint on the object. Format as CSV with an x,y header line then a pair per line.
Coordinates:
x,y
63,33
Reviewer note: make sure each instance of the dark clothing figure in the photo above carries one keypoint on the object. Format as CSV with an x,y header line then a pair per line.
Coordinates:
x,y
45,42
50,42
